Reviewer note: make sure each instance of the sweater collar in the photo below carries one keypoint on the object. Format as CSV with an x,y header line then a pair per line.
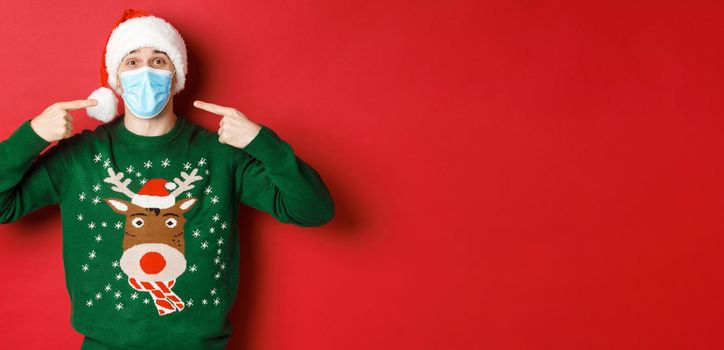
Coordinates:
x,y
123,134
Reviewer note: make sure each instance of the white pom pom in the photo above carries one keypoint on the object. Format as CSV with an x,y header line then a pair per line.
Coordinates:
x,y
107,105
170,186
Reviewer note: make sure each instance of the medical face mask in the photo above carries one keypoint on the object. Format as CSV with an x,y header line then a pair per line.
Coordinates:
x,y
146,90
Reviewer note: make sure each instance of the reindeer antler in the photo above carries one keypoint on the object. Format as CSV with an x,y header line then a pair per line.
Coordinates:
x,y
118,185
186,184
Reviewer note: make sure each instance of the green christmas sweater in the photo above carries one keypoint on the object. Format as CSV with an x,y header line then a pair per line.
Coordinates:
x,y
150,245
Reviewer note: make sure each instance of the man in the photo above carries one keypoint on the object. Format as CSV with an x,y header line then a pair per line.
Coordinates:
x,y
149,200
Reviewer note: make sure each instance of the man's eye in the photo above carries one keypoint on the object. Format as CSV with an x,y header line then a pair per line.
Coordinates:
x,y
160,61
129,62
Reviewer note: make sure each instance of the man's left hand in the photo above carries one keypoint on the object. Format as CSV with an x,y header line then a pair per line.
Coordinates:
x,y
235,128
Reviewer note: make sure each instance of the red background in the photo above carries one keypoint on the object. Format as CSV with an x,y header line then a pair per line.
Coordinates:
x,y
512,175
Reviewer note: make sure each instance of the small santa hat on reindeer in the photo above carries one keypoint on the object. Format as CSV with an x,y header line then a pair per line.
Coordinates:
x,y
135,29
154,194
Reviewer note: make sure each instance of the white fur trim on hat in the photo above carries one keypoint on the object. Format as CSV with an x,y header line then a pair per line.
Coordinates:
x,y
107,105
147,31
160,202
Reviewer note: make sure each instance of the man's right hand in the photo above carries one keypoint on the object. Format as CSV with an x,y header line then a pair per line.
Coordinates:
x,y
55,122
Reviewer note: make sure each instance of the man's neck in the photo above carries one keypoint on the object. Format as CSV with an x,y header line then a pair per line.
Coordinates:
x,y
156,126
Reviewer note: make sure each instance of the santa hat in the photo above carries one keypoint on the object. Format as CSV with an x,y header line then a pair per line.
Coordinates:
x,y
135,29
154,194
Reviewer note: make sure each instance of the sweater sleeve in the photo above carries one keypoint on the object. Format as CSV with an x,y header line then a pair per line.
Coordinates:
x,y
25,181
271,178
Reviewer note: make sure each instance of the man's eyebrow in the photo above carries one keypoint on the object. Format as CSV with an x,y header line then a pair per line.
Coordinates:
x,y
154,51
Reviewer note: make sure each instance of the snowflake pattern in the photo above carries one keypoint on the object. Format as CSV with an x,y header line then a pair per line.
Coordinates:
x,y
147,164
81,196
166,163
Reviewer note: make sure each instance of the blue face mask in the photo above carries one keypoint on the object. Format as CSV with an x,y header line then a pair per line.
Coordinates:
x,y
146,90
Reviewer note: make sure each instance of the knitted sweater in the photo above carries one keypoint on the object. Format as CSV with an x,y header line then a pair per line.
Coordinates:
x,y
150,244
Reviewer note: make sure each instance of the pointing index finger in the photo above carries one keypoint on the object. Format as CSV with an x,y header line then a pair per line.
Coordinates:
x,y
210,107
77,104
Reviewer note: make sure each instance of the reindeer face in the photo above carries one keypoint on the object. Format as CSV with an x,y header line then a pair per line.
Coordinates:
x,y
153,239
152,225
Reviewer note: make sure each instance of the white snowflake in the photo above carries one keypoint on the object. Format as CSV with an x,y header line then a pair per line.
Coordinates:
x,y
196,233
213,291
223,266
138,174
115,264
98,296
92,254
96,187
202,161
97,158
212,230
119,276
217,275
206,171
134,296
188,194
119,306
104,224
146,301
99,238
117,294
129,168
214,199
220,241
215,217
92,225
108,287
89,303
218,251
118,225
203,301
217,260
106,163
143,181
96,200
223,225
192,268
208,190
165,163
216,301
147,164
81,196
204,245
187,166
80,217
190,302
84,267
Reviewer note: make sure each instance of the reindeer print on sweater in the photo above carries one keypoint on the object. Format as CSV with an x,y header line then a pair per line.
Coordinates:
x,y
148,225
153,240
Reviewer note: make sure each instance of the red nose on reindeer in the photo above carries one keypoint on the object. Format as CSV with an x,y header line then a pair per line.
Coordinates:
x,y
152,263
